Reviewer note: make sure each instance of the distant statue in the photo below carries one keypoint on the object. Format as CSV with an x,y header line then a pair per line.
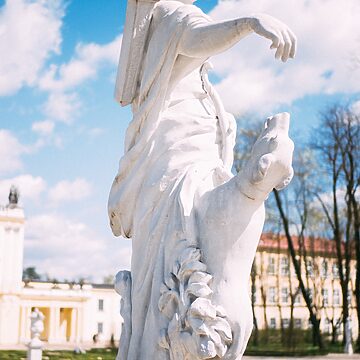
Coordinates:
x,y
13,196
194,226
37,324
348,349
36,328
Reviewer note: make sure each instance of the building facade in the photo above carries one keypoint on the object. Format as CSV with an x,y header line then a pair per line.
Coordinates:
x,y
77,314
274,286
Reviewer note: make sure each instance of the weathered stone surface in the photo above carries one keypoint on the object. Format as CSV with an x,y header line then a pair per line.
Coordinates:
x,y
194,226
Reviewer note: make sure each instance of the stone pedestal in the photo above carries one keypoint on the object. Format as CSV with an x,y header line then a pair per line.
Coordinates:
x,y
348,346
34,350
37,327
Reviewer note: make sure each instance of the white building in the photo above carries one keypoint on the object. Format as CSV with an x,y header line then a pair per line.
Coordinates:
x,y
74,313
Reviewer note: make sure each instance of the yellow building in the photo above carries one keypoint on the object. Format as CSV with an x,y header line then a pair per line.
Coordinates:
x,y
74,313
275,288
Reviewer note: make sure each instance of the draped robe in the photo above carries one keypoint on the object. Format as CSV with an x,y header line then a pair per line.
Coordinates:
x,y
172,155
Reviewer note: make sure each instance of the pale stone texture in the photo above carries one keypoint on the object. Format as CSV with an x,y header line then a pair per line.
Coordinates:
x,y
37,327
11,263
194,226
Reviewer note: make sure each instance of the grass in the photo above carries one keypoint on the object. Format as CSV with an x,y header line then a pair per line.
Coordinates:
x,y
94,354
280,351
273,347
280,344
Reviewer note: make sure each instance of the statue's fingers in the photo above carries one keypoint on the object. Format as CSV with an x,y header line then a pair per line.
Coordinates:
x,y
287,46
275,38
293,44
280,49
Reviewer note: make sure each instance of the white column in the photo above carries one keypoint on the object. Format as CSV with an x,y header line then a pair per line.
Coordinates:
x,y
73,326
80,327
22,330
27,313
54,324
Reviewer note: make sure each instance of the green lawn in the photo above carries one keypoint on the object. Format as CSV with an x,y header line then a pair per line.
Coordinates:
x,y
269,349
279,344
95,354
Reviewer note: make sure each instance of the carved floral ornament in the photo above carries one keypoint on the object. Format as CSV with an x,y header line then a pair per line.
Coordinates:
x,y
197,327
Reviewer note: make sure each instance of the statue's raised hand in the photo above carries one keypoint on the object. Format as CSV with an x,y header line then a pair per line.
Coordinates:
x,y
283,39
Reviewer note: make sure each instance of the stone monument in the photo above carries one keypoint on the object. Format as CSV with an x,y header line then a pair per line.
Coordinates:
x,y
194,225
348,344
37,327
13,197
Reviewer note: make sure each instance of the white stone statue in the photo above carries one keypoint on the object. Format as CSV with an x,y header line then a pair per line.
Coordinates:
x,y
348,349
194,226
37,324
37,327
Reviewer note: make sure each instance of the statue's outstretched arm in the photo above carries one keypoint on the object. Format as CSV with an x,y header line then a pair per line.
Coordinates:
x,y
210,38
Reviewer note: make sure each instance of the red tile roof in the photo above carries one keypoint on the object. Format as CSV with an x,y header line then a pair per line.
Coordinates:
x,y
312,245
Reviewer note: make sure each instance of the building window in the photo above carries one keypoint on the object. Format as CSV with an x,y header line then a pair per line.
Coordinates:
x,y
310,293
325,296
100,328
272,295
271,266
272,323
335,271
336,297
297,323
324,269
284,269
297,299
285,323
310,267
284,294
101,304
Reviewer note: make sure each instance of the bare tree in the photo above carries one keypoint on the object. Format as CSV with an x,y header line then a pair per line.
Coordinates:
x,y
247,137
253,277
349,145
263,293
296,226
337,144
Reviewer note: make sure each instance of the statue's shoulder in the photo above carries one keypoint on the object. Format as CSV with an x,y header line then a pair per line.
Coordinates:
x,y
178,8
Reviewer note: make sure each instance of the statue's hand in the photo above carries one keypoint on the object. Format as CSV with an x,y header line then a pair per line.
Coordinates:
x,y
283,39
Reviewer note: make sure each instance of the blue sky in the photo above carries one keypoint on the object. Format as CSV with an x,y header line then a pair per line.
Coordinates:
x,y
62,134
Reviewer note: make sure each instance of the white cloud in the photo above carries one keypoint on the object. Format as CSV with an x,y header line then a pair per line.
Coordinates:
x,y
63,107
43,128
65,191
10,152
95,132
355,107
29,33
29,186
70,249
327,199
328,35
61,81
83,66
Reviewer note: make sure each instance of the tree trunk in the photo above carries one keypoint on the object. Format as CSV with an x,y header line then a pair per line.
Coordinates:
x,y
314,321
253,294
357,254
